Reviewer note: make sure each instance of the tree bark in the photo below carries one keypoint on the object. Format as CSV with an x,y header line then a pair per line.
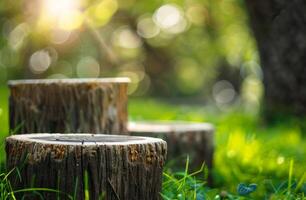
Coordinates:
x,y
280,30
87,165
69,106
183,138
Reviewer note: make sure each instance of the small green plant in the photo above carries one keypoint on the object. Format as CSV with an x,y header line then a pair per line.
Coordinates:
x,y
192,186
290,189
185,185
7,192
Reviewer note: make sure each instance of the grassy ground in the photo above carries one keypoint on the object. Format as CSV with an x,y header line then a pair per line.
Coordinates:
x,y
246,151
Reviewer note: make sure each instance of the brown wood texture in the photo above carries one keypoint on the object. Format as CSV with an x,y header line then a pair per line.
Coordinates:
x,y
183,138
69,106
100,166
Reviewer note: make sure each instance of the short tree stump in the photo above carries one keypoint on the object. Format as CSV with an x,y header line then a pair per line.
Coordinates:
x,y
68,105
183,138
87,165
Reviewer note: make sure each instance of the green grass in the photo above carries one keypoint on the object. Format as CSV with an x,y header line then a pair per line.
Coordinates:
x,y
3,120
188,186
246,151
8,193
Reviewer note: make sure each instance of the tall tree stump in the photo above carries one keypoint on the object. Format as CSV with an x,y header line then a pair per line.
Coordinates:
x,y
93,166
68,105
183,138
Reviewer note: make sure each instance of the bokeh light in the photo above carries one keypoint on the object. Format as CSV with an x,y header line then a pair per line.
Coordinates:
x,y
175,44
126,38
40,61
252,91
223,92
196,14
251,68
146,27
280,160
194,52
18,35
134,80
88,67
170,19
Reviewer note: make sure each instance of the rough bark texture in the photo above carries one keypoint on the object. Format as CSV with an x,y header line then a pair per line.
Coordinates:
x,y
193,139
280,30
80,165
69,106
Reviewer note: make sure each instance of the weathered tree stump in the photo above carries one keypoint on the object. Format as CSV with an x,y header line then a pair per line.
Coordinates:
x,y
69,105
100,166
183,138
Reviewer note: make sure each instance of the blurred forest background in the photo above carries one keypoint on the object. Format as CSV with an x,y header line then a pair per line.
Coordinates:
x,y
201,53
183,49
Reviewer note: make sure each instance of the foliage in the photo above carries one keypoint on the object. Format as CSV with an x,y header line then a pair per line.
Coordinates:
x,y
163,46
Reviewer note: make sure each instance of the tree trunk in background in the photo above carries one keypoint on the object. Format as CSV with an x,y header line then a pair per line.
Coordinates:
x,y
87,166
280,30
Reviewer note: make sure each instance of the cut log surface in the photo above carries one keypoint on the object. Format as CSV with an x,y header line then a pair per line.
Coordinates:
x,y
69,106
87,165
183,138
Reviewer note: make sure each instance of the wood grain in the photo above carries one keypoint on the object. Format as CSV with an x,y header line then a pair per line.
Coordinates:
x,y
183,138
111,167
69,106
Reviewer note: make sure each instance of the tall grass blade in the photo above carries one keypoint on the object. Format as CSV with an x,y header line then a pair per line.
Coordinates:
x,y
301,182
290,176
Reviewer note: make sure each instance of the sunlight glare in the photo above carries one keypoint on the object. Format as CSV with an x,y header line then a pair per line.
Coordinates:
x,y
64,14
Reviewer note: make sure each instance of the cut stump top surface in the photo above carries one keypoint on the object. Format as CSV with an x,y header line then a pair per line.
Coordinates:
x,y
169,126
68,81
83,139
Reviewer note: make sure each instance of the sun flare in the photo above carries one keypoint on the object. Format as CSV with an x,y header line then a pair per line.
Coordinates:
x,y
62,14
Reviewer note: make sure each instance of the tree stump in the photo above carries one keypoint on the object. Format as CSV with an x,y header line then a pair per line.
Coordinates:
x,y
93,166
183,138
68,105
